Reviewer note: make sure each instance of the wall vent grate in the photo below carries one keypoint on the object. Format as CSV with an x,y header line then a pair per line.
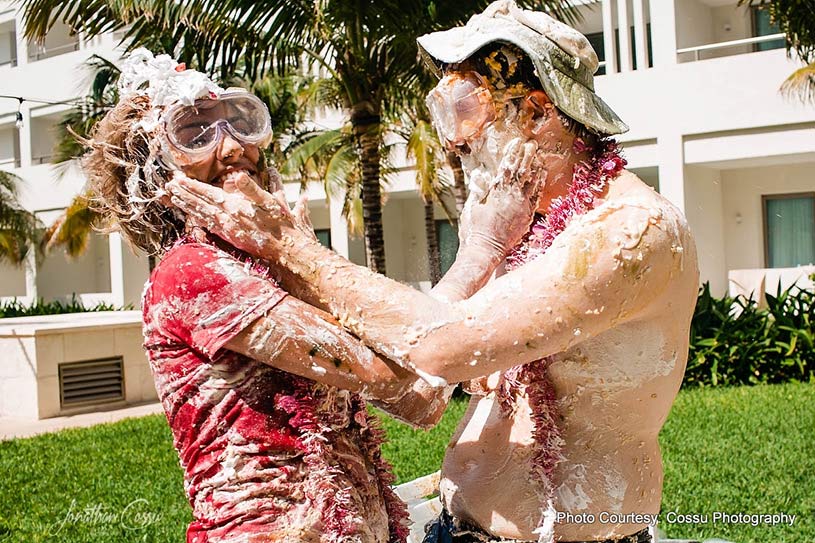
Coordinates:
x,y
91,381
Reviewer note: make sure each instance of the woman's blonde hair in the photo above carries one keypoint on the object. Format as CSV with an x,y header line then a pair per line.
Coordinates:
x,y
126,177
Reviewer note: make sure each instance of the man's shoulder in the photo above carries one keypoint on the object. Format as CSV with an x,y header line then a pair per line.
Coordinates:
x,y
637,198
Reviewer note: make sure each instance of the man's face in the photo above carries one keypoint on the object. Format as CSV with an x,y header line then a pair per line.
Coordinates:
x,y
461,106
477,121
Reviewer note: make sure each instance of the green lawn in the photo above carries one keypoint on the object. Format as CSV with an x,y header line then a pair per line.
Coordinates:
x,y
733,450
742,450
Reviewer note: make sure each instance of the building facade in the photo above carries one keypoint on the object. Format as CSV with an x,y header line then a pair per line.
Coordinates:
x,y
696,80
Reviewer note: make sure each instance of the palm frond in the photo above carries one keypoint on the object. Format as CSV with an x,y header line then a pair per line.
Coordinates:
x,y
796,19
310,147
18,227
72,230
801,84
340,169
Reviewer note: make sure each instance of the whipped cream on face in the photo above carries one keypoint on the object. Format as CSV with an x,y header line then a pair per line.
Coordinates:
x,y
485,163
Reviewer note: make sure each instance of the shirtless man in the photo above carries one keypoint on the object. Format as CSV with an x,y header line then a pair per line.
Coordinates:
x,y
577,347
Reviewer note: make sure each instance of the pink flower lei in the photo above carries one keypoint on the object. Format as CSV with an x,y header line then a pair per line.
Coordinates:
x,y
589,180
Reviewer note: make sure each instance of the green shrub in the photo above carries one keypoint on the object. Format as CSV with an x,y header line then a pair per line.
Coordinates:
x,y
16,308
734,342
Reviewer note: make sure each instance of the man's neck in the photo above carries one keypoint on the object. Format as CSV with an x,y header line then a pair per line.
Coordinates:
x,y
559,171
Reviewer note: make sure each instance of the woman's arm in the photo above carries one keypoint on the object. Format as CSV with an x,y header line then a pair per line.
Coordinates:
x,y
305,341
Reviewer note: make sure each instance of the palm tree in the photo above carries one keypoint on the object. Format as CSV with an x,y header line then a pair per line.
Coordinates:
x,y
367,48
328,156
18,227
424,148
796,19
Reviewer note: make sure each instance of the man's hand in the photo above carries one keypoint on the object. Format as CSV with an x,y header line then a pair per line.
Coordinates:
x,y
256,221
498,218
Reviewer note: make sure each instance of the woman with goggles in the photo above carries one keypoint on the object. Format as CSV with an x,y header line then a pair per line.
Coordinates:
x,y
197,129
263,392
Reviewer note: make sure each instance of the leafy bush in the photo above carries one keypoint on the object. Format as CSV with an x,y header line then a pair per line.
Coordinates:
x,y
734,342
16,308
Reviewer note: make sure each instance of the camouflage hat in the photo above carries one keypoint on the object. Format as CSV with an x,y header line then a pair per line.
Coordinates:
x,y
563,58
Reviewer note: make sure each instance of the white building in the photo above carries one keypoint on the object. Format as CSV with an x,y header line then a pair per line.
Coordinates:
x,y
697,81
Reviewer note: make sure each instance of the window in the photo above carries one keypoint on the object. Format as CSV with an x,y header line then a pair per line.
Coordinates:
x,y
447,236
596,41
599,46
8,45
789,230
763,27
324,237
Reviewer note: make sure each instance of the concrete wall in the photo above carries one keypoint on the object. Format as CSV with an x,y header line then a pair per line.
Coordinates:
x,y
34,347
405,244
743,216
703,209
18,377
9,149
7,41
694,23
739,20
592,19
59,276
12,280
136,272
43,136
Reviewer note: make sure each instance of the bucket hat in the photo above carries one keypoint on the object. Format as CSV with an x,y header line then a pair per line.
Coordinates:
x,y
563,58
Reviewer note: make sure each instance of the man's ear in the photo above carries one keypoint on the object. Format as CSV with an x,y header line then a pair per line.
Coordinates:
x,y
537,103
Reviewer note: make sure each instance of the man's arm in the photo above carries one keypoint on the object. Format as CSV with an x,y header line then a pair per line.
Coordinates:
x,y
470,271
602,270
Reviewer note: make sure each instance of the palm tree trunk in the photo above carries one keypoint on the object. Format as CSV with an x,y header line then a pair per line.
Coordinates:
x,y
433,254
368,134
459,184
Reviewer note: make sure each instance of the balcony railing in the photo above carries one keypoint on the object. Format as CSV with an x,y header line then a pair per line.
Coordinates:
x,y
697,49
10,163
42,159
40,52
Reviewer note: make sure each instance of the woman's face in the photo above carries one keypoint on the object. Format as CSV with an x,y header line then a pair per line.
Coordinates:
x,y
227,157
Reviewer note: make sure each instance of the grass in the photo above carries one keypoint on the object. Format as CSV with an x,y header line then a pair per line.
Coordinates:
x,y
733,450
741,450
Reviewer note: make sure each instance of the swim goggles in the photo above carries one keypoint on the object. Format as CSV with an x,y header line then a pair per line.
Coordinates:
x,y
463,104
197,129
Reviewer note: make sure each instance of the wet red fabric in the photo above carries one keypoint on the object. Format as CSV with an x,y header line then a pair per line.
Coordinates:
x,y
267,455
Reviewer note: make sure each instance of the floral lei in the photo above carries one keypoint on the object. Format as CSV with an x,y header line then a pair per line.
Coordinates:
x,y
588,181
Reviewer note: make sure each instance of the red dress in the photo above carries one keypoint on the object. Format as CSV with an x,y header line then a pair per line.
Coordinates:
x,y
267,455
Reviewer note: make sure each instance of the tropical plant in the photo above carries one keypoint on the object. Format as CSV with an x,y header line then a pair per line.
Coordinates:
x,y
16,308
424,148
328,156
733,341
796,19
18,227
367,48
73,228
